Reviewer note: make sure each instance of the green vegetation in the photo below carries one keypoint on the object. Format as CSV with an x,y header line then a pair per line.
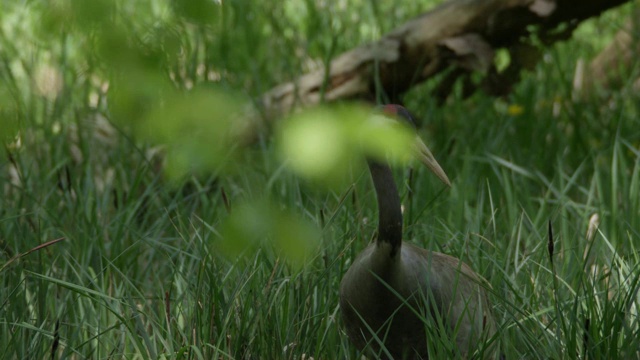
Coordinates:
x,y
148,267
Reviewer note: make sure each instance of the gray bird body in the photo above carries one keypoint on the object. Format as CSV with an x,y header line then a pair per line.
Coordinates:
x,y
375,285
392,281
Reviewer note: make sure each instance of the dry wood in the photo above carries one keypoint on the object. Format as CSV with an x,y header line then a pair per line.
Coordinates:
x,y
611,67
459,35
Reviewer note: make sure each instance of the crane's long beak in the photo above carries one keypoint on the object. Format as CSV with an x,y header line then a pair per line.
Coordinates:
x,y
426,157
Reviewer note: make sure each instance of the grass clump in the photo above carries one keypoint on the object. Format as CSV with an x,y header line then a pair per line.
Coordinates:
x,y
141,273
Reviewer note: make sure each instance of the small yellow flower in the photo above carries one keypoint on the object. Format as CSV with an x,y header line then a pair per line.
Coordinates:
x,y
515,110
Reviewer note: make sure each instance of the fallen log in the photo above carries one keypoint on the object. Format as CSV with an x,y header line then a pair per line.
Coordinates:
x,y
460,36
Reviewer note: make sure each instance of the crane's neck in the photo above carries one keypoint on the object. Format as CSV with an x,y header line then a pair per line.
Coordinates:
x,y
389,212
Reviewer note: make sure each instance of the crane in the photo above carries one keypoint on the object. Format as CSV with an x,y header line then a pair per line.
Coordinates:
x,y
393,288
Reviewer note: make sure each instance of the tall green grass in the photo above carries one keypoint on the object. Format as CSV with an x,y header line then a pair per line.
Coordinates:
x,y
139,273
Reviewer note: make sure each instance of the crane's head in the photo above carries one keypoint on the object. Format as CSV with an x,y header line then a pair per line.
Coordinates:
x,y
422,151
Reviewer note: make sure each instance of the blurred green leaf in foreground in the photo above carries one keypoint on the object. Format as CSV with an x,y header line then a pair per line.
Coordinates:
x,y
324,144
251,225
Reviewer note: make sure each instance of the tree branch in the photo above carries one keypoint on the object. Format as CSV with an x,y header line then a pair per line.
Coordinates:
x,y
460,35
